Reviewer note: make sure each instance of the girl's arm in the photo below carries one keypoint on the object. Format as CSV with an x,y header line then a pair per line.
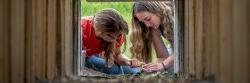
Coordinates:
x,y
164,61
124,60
161,50
159,45
168,62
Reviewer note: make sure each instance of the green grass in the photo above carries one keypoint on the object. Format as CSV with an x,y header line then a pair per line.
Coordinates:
x,y
125,9
90,8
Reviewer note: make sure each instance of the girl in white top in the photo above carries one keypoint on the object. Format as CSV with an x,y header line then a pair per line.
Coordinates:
x,y
150,21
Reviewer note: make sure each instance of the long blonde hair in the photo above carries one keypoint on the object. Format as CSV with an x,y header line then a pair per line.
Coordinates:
x,y
109,20
141,37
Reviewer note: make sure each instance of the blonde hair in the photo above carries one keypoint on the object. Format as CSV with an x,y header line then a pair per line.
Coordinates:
x,y
109,20
141,37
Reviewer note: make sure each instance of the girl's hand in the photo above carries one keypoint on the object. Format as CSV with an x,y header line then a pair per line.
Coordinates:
x,y
135,63
153,67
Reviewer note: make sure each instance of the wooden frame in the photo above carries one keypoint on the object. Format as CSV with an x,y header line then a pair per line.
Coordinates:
x,y
79,57
179,37
216,40
37,40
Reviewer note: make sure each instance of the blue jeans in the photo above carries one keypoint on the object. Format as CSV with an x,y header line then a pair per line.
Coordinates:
x,y
98,63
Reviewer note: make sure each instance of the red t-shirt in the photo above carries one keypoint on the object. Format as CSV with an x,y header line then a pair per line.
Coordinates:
x,y
91,44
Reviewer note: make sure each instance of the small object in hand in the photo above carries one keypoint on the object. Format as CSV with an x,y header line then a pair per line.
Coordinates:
x,y
142,65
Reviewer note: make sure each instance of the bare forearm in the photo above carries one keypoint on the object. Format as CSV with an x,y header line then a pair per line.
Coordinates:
x,y
169,61
122,59
159,45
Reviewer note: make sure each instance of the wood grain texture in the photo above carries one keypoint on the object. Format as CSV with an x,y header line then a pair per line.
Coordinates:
x,y
5,43
1,44
40,39
199,44
36,37
220,40
215,45
226,44
190,39
30,41
240,33
67,36
51,39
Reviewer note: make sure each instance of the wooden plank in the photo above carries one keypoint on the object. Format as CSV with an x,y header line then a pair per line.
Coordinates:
x,y
60,57
191,33
207,12
180,16
67,36
215,44
30,41
226,39
40,39
77,38
186,37
248,38
51,39
62,23
5,68
239,28
1,44
17,40
198,39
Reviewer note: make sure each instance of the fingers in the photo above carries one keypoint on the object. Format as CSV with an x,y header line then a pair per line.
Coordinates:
x,y
151,67
148,65
135,63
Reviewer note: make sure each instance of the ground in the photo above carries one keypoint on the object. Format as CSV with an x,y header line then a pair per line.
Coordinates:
x,y
98,77
92,76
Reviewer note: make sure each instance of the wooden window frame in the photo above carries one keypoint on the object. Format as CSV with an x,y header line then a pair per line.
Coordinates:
x,y
179,64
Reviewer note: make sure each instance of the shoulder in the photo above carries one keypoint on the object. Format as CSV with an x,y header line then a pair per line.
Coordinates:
x,y
86,20
86,23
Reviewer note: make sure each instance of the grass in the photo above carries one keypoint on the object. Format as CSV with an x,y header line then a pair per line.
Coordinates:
x,y
90,8
125,9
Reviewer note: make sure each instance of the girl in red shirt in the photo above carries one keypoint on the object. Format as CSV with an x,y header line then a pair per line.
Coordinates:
x,y
103,35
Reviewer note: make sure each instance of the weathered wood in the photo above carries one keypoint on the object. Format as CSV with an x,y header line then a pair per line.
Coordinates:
x,y
218,48
32,35
51,38
67,36
186,35
5,42
239,45
226,45
1,44
207,36
215,45
40,39
198,38
248,38
190,37
179,24
37,40
17,26
30,41
63,47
